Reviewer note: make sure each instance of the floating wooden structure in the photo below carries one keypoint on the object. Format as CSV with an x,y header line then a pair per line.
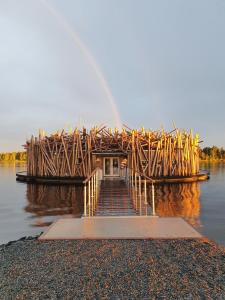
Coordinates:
x,y
135,156
156,154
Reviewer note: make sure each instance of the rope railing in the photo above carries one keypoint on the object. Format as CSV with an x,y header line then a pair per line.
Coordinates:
x,y
91,192
134,181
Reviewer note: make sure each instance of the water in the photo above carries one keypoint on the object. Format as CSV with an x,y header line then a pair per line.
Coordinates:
x,y
27,209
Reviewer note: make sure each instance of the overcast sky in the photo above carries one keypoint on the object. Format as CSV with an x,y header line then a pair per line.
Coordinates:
x,y
164,61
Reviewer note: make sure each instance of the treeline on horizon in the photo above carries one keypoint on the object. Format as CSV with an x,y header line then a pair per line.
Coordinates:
x,y
212,153
13,156
207,153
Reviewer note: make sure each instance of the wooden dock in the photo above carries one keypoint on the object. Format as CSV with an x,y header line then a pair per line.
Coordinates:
x,y
120,213
127,227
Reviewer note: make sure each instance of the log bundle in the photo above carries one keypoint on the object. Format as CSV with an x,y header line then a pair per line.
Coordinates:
x,y
152,153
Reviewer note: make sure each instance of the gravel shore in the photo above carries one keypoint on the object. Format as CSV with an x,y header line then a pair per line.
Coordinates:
x,y
112,269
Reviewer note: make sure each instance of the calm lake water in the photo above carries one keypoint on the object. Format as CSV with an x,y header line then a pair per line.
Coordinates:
x,y
26,209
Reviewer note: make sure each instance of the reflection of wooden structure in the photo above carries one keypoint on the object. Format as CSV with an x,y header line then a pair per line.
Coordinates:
x,y
181,200
152,153
53,200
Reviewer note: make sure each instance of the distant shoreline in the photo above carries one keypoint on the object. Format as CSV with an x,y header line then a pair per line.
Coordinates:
x,y
13,161
19,156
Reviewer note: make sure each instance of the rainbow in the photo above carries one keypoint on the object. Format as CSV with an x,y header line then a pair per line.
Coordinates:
x,y
89,57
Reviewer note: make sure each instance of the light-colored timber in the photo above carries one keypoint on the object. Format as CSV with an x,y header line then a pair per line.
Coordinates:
x,y
163,156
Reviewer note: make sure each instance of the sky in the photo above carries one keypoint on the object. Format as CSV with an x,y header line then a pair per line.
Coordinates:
x,y
85,62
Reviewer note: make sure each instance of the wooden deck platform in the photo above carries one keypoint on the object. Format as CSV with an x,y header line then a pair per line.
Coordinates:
x,y
126,227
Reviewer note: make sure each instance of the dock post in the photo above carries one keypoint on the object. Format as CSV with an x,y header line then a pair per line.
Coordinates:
x,y
135,189
132,179
96,186
94,189
92,194
145,191
153,200
135,181
85,200
89,197
128,181
139,177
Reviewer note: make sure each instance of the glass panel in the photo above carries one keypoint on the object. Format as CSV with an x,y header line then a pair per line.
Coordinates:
x,y
115,166
107,166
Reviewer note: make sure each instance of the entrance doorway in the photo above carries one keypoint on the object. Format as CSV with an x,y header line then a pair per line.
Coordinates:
x,y
111,166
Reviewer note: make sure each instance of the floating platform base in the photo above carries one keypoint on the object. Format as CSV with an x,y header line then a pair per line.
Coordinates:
x,y
23,177
182,179
146,227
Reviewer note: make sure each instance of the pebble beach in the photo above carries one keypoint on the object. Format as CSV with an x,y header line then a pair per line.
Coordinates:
x,y
112,269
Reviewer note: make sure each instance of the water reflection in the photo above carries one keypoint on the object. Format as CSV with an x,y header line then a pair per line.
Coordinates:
x,y
183,200
45,202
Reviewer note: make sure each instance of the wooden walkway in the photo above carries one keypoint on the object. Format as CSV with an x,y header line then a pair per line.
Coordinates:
x,y
120,214
115,199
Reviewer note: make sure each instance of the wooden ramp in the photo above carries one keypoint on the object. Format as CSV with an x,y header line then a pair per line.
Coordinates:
x,y
127,227
115,199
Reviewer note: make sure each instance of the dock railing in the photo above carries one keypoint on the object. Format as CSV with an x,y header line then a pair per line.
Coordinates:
x,y
91,192
134,181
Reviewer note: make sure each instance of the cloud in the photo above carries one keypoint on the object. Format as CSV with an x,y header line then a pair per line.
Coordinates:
x,y
164,61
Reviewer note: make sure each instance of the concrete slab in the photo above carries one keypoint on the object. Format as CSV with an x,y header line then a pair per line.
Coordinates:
x,y
130,227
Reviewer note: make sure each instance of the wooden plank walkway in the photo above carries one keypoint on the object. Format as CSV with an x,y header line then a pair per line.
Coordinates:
x,y
116,200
